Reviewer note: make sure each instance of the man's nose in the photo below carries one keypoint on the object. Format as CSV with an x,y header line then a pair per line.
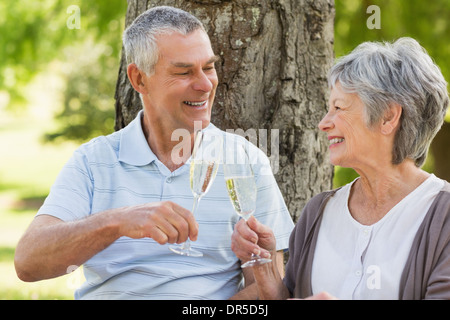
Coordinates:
x,y
203,83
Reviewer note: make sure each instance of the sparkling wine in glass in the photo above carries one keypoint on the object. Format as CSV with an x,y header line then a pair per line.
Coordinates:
x,y
241,186
205,159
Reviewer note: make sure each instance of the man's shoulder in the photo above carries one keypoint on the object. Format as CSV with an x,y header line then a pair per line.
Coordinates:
x,y
101,147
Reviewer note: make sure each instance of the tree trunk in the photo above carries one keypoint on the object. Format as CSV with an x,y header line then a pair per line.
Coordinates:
x,y
275,55
440,150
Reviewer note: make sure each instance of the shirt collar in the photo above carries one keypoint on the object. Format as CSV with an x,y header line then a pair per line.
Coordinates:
x,y
134,148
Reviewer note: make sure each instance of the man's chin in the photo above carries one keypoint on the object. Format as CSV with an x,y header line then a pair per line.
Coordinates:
x,y
199,124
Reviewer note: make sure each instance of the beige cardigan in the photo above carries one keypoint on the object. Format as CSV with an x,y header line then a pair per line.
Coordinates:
x,y
427,271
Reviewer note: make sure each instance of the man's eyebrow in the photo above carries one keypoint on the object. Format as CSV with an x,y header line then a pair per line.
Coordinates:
x,y
213,59
182,65
190,65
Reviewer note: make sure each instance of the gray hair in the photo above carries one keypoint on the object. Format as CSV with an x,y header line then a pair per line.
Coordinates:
x,y
139,39
402,72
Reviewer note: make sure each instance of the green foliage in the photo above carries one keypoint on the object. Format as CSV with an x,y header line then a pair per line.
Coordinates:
x,y
426,21
35,34
88,102
342,176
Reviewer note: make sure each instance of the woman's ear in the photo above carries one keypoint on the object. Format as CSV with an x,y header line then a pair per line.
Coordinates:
x,y
137,78
391,119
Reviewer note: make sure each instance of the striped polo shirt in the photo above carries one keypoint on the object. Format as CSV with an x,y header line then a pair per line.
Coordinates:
x,y
121,170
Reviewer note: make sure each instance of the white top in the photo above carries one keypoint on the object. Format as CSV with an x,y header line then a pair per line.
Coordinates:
x,y
355,261
121,170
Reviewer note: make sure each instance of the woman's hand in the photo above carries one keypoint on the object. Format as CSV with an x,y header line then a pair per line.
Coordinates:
x,y
252,237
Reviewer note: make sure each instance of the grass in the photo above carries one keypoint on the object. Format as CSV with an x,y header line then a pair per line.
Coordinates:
x,y
27,170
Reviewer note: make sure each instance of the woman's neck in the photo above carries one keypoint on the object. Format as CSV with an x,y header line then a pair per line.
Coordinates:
x,y
377,191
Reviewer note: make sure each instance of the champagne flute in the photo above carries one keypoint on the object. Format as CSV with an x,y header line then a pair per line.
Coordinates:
x,y
205,159
241,186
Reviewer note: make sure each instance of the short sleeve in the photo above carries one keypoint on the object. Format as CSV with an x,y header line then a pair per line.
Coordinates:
x,y
70,196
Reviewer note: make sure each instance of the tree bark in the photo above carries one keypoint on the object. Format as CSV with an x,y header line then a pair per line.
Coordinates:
x,y
275,55
440,150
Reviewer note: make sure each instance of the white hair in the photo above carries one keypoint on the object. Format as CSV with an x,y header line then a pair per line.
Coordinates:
x,y
403,73
139,39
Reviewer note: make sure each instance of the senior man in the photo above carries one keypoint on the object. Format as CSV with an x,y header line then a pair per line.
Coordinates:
x,y
121,199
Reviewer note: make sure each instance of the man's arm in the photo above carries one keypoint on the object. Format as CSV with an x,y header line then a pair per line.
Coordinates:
x,y
50,245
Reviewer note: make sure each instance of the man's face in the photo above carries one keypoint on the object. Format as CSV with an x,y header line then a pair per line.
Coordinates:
x,y
184,82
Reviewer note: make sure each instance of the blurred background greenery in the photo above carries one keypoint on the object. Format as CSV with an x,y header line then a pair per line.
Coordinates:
x,y
57,90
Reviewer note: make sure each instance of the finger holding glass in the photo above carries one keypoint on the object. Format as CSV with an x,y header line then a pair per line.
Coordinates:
x,y
252,236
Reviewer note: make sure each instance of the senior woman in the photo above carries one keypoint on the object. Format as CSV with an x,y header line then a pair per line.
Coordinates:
x,y
386,234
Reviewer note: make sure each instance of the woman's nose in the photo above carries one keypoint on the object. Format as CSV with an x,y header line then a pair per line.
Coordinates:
x,y
326,123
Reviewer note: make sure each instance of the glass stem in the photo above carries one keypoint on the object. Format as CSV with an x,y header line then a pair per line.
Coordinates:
x,y
187,243
253,256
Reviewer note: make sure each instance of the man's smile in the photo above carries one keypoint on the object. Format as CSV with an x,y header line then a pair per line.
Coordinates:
x,y
196,103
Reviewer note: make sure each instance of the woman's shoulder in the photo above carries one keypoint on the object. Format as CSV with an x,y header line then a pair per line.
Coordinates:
x,y
446,187
317,202
313,210
442,201
441,204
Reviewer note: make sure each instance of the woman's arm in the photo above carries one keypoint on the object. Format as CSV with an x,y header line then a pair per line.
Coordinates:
x,y
252,236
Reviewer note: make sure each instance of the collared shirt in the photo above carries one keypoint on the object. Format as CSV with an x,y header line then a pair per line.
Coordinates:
x,y
355,261
121,170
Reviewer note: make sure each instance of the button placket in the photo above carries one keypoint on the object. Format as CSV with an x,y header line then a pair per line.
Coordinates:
x,y
357,271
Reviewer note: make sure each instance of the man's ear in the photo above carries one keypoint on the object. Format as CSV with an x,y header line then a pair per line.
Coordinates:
x,y
391,119
137,78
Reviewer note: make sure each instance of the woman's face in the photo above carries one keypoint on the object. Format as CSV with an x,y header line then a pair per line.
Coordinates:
x,y
352,143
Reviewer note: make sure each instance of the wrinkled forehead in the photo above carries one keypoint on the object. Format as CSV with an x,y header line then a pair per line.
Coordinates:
x,y
339,93
180,50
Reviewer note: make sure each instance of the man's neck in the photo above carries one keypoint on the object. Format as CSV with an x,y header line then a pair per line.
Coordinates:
x,y
173,154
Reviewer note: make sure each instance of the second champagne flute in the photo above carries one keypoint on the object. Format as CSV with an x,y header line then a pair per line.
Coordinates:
x,y
241,186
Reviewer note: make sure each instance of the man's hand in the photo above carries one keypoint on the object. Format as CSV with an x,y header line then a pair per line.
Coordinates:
x,y
164,222
252,237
